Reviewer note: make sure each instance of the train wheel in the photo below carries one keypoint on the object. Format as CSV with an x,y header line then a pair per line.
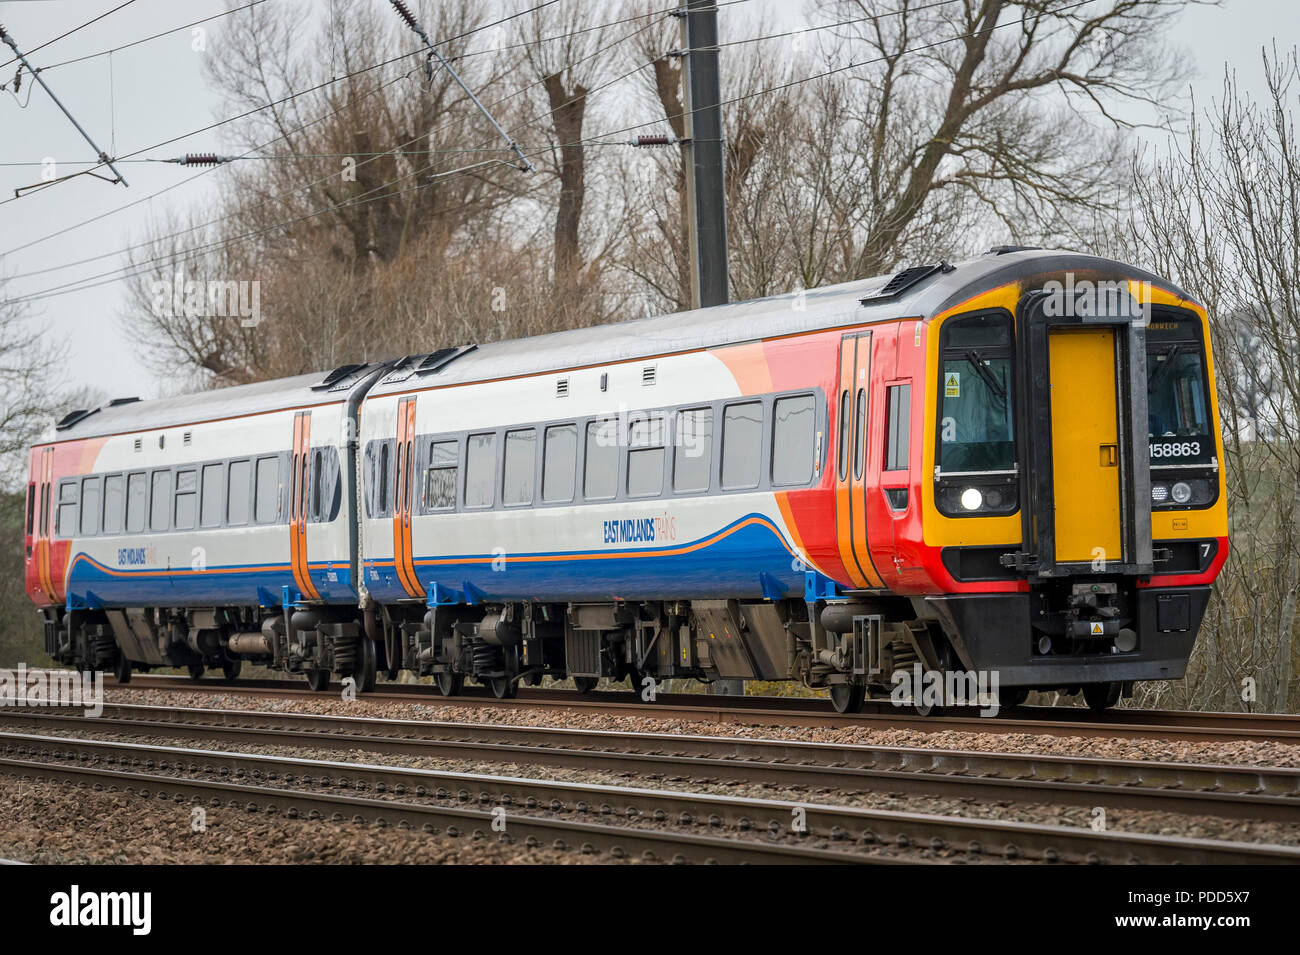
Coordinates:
x,y
231,669
122,669
449,684
318,680
392,652
1101,696
585,684
847,698
503,688
366,669
196,672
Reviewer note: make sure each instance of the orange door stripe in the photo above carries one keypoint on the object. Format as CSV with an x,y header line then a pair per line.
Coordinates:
x,y
402,556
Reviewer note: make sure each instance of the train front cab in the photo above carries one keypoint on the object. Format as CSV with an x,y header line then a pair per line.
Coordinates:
x,y
1078,505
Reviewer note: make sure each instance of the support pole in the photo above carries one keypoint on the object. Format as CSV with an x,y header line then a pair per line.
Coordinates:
x,y
706,171
35,74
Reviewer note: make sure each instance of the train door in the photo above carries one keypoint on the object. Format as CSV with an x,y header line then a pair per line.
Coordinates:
x,y
894,435
403,495
298,504
852,464
1085,445
1086,494
39,528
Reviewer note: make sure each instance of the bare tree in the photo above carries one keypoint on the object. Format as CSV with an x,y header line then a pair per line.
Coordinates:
x,y
29,398
1221,215
953,98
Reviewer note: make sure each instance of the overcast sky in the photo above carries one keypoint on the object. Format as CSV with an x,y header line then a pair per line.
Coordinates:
x,y
156,90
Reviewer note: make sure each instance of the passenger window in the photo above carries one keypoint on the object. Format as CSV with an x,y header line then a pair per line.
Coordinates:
x,y
65,521
266,505
383,480
845,431
480,470
898,415
693,450
210,512
859,433
162,495
600,471
742,440
559,462
645,457
520,467
794,422
317,468
183,512
89,506
31,507
113,503
440,479
237,494
137,500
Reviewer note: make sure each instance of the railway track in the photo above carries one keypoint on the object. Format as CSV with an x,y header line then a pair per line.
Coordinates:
x,y
653,824
1177,725
1224,791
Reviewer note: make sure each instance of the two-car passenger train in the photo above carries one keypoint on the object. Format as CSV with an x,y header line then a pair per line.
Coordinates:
x,y
1010,465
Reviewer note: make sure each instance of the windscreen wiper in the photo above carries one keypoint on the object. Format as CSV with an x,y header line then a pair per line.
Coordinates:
x,y
1163,371
996,386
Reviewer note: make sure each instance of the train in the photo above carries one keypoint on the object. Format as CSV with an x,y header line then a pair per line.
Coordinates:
x,y
1009,466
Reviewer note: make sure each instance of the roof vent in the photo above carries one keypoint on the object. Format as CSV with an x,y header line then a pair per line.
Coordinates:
x,y
648,375
72,417
116,402
341,373
561,387
904,280
440,359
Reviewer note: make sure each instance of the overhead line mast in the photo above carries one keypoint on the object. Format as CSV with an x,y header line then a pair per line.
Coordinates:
x,y
706,171
103,156
405,14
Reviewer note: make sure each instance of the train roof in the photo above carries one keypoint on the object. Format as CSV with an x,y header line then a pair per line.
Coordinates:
x,y
922,291
127,415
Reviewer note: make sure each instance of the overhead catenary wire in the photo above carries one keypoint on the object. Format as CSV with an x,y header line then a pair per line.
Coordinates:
x,y
104,160
597,52
68,33
186,255
414,24
103,215
822,75
156,36
77,285
110,276
292,96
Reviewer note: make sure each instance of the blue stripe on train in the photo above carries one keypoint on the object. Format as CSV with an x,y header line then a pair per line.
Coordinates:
x,y
748,558
91,584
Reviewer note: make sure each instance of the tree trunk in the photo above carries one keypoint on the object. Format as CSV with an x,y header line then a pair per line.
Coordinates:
x,y
567,110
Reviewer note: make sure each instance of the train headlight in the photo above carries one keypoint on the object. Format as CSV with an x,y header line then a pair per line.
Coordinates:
x,y
1159,493
1181,492
972,499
